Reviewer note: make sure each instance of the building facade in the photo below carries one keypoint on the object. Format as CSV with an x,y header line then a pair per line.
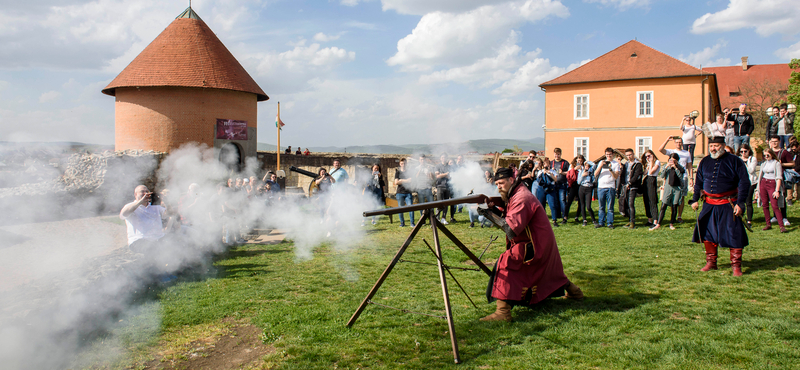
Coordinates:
x,y
631,97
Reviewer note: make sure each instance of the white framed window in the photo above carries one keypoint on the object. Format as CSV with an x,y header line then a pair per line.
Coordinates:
x,y
582,147
644,104
582,106
643,144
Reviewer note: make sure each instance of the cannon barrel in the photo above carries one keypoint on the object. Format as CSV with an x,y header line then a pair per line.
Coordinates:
x,y
302,172
478,198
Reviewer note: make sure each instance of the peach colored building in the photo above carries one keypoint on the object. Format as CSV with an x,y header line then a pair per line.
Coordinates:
x,y
175,91
631,97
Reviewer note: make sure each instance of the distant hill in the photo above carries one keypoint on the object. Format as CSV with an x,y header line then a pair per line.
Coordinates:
x,y
480,146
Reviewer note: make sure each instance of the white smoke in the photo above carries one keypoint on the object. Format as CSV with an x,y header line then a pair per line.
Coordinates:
x,y
49,315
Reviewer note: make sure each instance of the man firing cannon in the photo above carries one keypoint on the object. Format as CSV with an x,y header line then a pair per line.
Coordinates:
x,y
530,269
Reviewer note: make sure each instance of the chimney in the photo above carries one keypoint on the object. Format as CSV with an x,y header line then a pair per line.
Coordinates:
x,y
744,63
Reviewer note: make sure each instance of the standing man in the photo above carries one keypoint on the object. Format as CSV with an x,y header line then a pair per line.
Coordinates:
x,y
723,181
607,173
786,159
743,126
785,126
339,175
633,181
402,179
560,167
144,221
442,173
686,161
530,270
423,182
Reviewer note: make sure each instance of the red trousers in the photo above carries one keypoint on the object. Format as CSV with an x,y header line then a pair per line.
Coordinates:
x,y
766,188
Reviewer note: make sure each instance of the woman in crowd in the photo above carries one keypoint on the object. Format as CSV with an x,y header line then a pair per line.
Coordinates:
x,y
729,149
585,188
537,189
689,136
652,166
673,190
551,192
375,187
770,183
572,184
746,154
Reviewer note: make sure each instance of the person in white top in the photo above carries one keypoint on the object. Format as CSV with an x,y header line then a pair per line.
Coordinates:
x,y
144,221
689,136
718,127
769,187
686,161
746,154
607,173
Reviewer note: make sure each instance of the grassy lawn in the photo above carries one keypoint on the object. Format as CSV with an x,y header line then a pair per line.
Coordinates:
x,y
647,306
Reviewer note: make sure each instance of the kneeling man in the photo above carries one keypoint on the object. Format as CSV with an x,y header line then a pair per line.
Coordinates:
x,y
530,269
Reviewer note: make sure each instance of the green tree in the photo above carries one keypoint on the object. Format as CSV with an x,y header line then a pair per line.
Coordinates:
x,y
794,82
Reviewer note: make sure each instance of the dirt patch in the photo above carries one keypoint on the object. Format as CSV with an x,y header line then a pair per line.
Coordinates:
x,y
238,347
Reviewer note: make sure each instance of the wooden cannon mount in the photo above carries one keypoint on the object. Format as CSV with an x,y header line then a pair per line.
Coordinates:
x,y
436,227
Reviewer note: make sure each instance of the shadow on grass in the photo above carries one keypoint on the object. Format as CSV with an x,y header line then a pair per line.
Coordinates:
x,y
244,269
772,263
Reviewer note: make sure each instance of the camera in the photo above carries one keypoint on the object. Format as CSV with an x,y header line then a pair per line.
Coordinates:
x,y
606,164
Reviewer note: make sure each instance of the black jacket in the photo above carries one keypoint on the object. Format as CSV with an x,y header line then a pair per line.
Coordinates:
x,y
635,176
742,124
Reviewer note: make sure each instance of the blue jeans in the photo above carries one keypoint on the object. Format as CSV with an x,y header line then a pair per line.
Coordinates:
x,y
784,141
562,199
606,200
424,196
475,217
405,200
739,140
554,203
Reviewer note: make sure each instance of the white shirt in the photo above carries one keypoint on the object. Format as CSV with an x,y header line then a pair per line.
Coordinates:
x,y
657,164
606,179
751,164
782,127
145,223
771,170
689,134
685,157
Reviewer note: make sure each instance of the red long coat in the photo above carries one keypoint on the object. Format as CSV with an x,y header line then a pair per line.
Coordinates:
x,y
545,271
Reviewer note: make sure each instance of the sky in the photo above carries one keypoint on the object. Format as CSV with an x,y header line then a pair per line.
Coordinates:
x,y
366,72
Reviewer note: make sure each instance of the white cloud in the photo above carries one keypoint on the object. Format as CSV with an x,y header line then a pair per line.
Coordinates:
x,y
290,71
529,76
361,25
49,96
321,37
459,39
705,57
349,2
422,7
364,111
767,17
622,4
789,52
74,34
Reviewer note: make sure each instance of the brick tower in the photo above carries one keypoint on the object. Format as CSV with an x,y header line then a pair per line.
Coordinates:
x,y
186,87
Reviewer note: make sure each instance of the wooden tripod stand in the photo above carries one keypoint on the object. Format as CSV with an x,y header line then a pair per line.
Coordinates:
x,y
436,226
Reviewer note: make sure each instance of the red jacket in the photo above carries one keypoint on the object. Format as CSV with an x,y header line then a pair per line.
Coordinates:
x,y
545,271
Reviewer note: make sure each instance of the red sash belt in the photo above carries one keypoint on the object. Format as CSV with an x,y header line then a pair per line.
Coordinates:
x,y
727,197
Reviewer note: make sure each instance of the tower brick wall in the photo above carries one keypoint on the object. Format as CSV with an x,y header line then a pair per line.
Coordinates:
x,y
164,118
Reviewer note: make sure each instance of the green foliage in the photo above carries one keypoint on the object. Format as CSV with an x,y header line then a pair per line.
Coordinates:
x,y
507,150
794,82
648,306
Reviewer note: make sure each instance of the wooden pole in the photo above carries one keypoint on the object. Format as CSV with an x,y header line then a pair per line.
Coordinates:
x,y
445,294
278,124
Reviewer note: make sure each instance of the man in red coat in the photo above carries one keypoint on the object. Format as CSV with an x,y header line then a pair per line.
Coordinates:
x,y
530,269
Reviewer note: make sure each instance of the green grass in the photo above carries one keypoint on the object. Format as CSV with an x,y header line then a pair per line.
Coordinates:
x,y
647,307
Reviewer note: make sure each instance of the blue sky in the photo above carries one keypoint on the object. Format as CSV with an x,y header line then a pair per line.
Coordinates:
x,y
356,72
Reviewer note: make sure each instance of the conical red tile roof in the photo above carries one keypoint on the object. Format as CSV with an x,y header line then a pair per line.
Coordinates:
x,y
631,61
186,54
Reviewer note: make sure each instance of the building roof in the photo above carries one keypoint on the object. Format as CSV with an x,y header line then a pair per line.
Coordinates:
x,y
631,61
730,79
186,54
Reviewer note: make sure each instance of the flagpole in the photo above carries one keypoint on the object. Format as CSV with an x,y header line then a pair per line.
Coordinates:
x,y
278,124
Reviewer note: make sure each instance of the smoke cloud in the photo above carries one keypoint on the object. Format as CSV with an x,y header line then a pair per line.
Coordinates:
x,y
66,285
